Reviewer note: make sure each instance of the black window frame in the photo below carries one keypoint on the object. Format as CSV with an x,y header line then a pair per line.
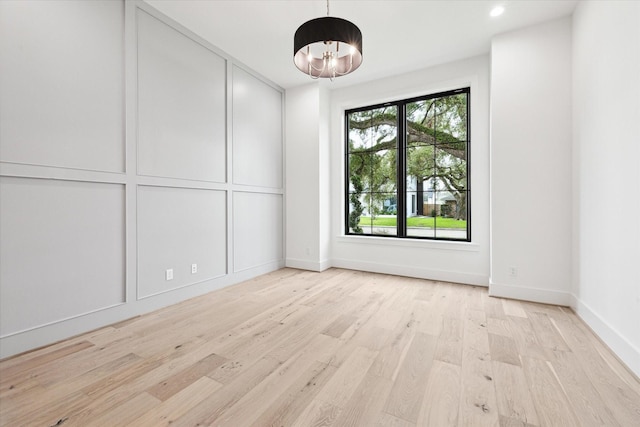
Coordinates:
x,y
401,167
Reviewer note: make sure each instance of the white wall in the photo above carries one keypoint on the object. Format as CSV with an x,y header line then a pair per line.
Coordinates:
x,y
307,148
128,146
52,72
606,144
325,177
464,262
531,163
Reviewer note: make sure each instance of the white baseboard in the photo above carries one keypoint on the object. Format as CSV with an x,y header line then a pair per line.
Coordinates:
x,y
545,296
625,350
411,271
308,265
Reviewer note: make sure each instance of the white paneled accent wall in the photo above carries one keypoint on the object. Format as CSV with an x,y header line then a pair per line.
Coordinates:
x,y
257,132
257,214
178,227
181,105
62,250
61,84
120,132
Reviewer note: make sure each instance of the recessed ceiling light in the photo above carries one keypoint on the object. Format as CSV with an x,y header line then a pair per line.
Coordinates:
x,y
497,11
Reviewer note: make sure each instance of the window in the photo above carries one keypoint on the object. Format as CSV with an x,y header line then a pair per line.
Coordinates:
x,y
407,168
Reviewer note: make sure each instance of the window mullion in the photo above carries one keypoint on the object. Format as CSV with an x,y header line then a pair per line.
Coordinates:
x,y
401,176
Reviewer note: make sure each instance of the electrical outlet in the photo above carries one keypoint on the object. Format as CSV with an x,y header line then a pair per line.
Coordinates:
x,y
168,275
194,268
513,272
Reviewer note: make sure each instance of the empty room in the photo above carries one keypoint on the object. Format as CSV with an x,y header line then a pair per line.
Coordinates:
x,y
319,213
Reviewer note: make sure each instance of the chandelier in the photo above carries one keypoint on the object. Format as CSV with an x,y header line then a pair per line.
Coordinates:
x,y
327,47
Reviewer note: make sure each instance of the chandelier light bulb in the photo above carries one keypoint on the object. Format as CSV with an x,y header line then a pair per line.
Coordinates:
x,y
497,11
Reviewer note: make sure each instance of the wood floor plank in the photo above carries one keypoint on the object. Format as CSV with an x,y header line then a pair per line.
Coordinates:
x,y
552,311
54,412
338,326
180,380
300,335
245,352
120,377
503,349
318,414
392,354
171,409
449,348
493,307
402,300
616,393
292,402
525,338
132,384
512,393
364,407
410,385
590,344
499,326
513,422
426,292
324,349
337,348
546,332
372,337
75,363
264,394
387,420
441,403
513,308
584,398
123,415
160,366
429,316
363,314
474,297
81,362
477,399
388,318
552,405
348,377
356,335
48,397
16,367
213,406
102,374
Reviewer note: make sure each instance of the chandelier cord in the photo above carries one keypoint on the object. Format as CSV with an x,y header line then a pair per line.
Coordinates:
x,y
327,7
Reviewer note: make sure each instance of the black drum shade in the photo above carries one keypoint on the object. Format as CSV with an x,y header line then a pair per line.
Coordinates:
x,y
327,47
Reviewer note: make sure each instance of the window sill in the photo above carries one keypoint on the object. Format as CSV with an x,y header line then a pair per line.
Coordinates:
x,y
410,243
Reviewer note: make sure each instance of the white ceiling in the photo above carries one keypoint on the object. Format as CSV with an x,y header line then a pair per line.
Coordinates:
x,y
398,35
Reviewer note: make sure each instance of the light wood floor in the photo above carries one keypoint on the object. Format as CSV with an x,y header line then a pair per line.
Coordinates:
x,y
339,348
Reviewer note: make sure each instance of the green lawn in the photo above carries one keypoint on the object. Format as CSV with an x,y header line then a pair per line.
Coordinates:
x,y
416,221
